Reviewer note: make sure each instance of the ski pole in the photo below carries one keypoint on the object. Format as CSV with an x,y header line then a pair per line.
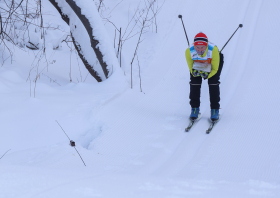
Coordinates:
x,y
5,153
240,26
180,16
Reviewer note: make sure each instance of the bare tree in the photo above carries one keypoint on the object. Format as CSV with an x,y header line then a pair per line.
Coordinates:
x,y
100,4
145,19
15,19
17,16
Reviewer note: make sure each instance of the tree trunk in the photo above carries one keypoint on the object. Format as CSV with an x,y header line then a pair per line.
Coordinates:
x,y
63,16
93,41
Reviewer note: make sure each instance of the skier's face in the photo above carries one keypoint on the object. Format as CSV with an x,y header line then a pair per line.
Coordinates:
x,y
200,49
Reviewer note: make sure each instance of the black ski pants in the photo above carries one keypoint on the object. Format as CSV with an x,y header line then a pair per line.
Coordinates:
x,y
214,88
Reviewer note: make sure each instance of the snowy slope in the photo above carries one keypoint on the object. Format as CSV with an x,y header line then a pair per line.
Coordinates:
x,y
133,142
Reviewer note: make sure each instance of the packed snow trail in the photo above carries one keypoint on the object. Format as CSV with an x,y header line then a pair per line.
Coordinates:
x,y
244,142
134,143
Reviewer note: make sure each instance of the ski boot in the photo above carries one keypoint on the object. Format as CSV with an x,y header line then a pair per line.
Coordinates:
x,y
214,114
194,113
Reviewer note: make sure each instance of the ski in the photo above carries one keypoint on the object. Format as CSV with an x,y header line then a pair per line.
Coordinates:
x,y
192,122
212,124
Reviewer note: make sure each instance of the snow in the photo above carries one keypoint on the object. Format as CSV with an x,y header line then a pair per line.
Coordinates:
x,y
133,142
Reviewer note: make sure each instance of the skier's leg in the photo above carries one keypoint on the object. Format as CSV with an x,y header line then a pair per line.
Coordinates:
x,y
214,86
214,93
195,86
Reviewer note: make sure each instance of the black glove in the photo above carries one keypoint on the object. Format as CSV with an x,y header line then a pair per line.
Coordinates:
x,y
203,74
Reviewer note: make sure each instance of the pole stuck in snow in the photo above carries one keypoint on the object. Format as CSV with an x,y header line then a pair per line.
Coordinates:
x,y
5,153
181,17
240,26
72,143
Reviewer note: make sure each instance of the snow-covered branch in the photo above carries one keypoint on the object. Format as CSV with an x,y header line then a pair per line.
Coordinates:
x,y
89,35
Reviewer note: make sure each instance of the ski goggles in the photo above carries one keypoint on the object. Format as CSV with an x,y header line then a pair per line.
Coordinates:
x,y
203,74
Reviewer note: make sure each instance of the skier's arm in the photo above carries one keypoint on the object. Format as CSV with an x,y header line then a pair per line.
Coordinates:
x,y
215,62
189,59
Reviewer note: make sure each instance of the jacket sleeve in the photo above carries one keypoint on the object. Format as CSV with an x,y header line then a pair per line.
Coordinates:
x,y
189,59
215,62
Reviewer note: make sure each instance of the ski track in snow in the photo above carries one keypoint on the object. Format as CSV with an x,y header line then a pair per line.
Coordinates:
x,y
134,143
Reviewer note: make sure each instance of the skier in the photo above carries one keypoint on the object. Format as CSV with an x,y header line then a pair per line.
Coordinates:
x,y
204,61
